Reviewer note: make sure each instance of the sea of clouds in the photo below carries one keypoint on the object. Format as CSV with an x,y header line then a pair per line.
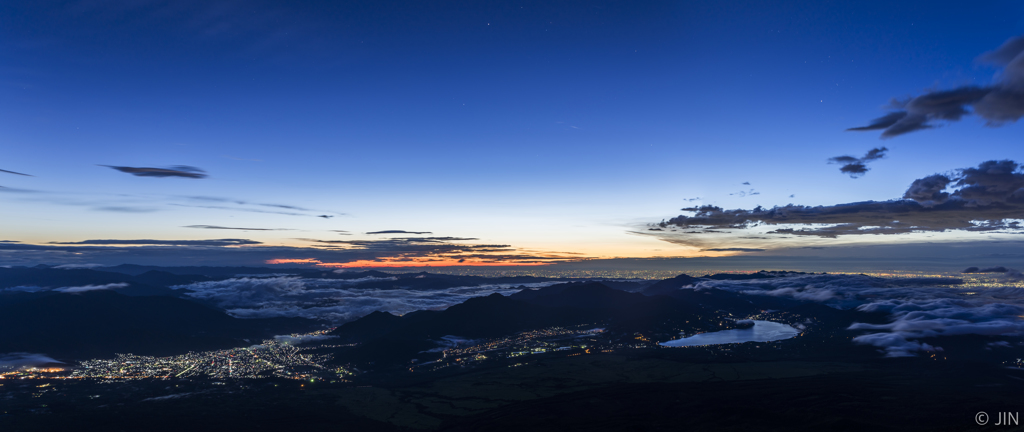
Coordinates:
x,y
333,300
919,307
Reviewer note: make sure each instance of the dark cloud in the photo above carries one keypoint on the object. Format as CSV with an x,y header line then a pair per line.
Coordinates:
x,y
928,191
875,153
399,232
857,167
16,173
998,269
218,242
325,216
997,104
439,248
987,198
175,171
216,227
883,122
992,182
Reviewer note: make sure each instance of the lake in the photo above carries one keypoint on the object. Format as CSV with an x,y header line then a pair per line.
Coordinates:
x,y
762,331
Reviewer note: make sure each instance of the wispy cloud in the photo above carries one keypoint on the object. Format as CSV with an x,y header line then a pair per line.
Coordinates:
x,y
254,207
742,194
16,173
87,288
218,242
216,227
398,232
17,360
16,190
243,209
126,209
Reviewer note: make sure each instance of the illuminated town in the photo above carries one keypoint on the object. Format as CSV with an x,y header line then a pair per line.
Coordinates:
x,y
272,358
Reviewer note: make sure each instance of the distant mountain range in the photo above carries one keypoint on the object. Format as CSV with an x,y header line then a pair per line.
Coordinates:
x,y
384,337
137,311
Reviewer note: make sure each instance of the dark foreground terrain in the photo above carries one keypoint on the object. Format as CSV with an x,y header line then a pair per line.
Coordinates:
x,y
596,392
567,356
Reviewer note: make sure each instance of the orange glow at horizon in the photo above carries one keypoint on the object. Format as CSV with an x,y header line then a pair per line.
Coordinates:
x,y
390,264
294,261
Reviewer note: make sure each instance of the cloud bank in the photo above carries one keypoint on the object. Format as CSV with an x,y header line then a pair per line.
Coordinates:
x,y
987,198
920,308
393,252
334,300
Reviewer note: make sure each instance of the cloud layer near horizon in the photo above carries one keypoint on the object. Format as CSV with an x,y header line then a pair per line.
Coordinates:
x,y
986,198
334,300
414,251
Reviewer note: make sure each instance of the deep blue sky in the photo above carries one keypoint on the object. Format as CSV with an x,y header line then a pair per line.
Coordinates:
x,y
550,127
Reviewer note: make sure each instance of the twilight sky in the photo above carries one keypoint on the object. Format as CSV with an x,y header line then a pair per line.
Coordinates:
x,y
502,132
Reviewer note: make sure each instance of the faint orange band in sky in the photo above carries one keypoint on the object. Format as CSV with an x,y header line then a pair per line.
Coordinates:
x,y
387,264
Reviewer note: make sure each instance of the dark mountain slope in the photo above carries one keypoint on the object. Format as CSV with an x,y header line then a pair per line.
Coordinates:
x,y
669,285
385,338
101,323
